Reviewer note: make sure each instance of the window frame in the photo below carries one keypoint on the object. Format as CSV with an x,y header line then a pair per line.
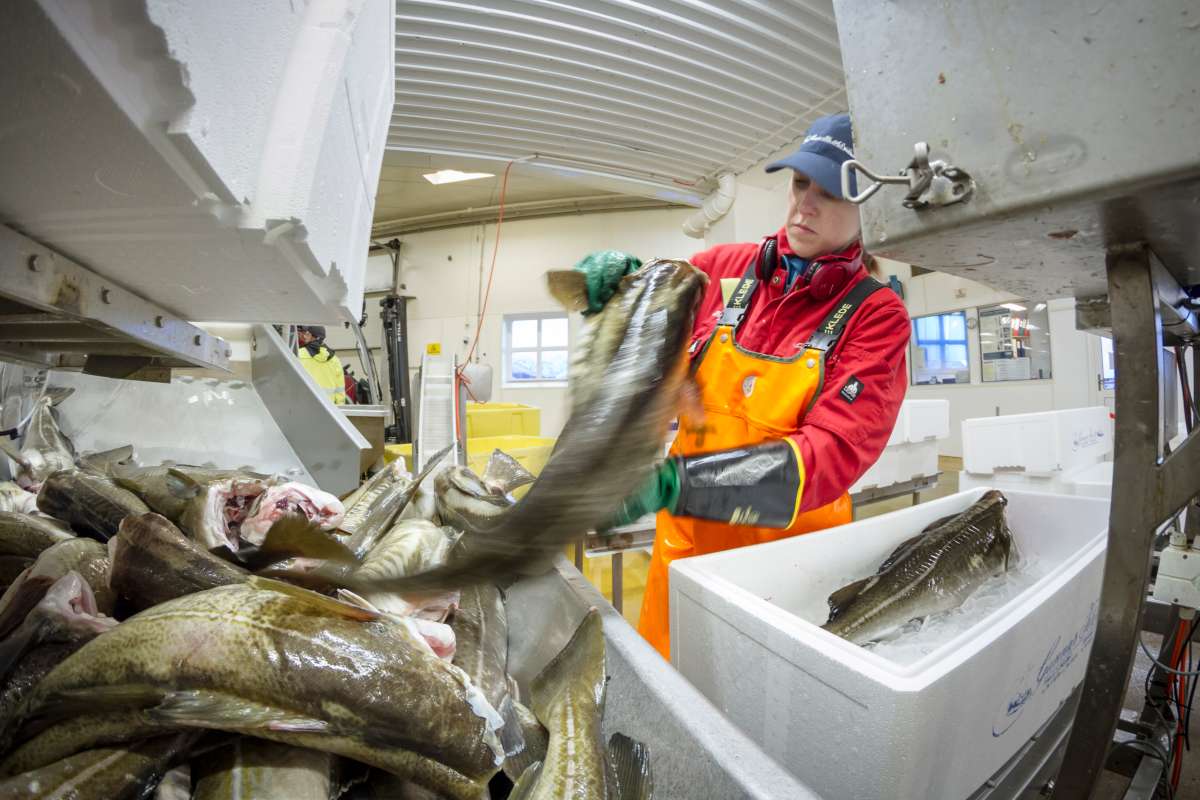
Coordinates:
x,y
942,342
507,349
1027,309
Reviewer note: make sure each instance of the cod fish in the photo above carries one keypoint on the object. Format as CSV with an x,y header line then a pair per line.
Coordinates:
x,y
67,614
270,660
87,502
373,514
480,627
27,536
15,498
44,449
252,768
110,773
613,437
934,571
568,697
286,499
467,501
87,557
167,489
153,562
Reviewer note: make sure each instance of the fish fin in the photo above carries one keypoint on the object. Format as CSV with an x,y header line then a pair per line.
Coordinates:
x,y
104,461
523,788
347,596
841,599
536,740
582,660
511,737
56,394
569,288
505,472
900,551
181,484
296,535
200,708
318,603
9,449
630,763
98,699
939,522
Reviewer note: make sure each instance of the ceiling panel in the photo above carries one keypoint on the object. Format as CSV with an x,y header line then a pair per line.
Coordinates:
x,y
666,93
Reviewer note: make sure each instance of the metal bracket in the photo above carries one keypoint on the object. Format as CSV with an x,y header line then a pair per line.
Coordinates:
x,y
58,314
931,184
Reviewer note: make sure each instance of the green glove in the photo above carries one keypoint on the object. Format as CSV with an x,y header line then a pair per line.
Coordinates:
x,y
660,491
604,270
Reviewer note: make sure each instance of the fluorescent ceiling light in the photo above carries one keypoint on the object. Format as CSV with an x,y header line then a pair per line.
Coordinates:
x,y
454,176
1039,306
1012,306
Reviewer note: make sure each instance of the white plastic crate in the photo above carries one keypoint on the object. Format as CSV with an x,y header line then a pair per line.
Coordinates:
x,y
854,724
926,419
1040,444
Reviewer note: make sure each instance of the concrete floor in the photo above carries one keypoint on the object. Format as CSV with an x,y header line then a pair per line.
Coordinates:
x,y
1112,787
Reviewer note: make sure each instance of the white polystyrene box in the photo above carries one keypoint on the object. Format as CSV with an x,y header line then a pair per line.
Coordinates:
x,y
1054,483
926,419
231,155
1039,443
900,429
1093,481
849,722
880,474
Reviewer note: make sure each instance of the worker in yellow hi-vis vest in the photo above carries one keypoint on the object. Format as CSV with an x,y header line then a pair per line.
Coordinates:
x,y
320,362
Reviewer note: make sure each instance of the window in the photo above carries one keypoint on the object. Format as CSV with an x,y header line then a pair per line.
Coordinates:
x,y
1014,342
940,349
535,348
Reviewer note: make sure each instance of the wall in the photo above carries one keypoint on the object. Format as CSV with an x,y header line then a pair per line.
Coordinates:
x,y
443,271
1072,384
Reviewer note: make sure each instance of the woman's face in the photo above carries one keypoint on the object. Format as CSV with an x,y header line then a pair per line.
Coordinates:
x,y
817,222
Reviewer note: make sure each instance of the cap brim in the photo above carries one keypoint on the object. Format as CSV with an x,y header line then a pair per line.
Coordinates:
x,y
827,173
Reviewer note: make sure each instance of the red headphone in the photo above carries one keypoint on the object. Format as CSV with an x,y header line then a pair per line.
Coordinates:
x,y
823,278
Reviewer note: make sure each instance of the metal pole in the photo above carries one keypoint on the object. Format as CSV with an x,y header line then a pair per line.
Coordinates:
x,y
1135,504
394,313
618,581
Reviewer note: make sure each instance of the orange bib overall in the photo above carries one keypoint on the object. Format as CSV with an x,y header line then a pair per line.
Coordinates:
x,y
747,398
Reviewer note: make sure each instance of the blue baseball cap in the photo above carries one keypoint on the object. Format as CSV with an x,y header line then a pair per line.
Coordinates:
x,y
828,144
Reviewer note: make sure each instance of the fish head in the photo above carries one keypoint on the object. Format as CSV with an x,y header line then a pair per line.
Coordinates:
x,y
69,607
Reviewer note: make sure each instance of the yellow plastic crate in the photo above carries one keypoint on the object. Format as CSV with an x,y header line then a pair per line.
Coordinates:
x,y
502,419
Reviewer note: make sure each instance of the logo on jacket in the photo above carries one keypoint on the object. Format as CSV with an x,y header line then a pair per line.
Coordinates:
x,y
851,390
748,385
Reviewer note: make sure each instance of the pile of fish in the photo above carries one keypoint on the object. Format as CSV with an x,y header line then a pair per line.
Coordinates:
x,y
186,631
933,572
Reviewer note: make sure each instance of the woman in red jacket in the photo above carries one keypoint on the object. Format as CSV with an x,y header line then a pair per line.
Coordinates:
x,y
800,359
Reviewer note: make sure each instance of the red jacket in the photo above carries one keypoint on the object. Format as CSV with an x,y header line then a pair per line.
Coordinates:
x,y
839,441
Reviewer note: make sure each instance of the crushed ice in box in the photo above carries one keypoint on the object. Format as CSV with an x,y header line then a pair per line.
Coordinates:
x,y
917,640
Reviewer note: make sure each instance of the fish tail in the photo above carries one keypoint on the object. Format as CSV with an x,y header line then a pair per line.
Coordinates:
x,y
630,764
581,664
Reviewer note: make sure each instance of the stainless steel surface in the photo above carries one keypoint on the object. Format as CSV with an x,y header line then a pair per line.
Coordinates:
x,y
667,95
931,184
326,443
635,536
1034,766
877,493
1100,154
1150,489
1144,785
222,423
57,313
695,751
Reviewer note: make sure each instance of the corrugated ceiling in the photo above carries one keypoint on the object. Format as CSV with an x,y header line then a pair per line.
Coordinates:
x,y
672,92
